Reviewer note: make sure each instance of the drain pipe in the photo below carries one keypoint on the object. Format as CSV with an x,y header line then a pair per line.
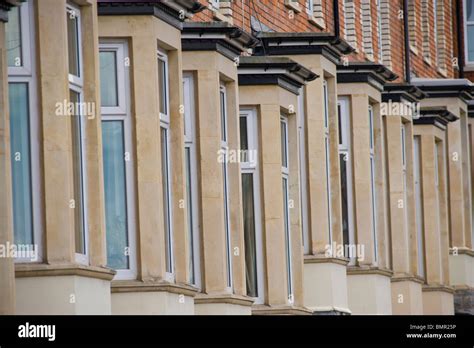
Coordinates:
x,y
336,18
406,42
459,39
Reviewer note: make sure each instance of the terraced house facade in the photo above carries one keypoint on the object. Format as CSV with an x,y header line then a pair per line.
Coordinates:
x,y
236,157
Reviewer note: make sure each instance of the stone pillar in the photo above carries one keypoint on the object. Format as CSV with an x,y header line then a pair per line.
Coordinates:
x,y
7,270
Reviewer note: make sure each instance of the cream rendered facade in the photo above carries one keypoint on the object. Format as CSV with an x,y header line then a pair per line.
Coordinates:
x,y
182,89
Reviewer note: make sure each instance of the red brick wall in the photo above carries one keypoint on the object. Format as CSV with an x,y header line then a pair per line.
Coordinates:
x,y
275,15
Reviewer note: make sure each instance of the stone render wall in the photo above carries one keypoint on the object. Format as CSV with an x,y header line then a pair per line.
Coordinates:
x,y
276,15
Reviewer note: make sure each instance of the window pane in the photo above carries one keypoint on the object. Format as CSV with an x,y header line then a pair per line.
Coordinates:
x,y
13,28
326,106
166,198
344,197
341,137
163,81
116,220
470,10
419,208
470,42
76,133
223,116
249,234
227,223
190,207
73,41
21,167
287,236
244,141
284,145
108,79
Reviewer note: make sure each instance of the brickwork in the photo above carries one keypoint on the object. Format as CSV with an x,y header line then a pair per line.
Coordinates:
x,y
431,54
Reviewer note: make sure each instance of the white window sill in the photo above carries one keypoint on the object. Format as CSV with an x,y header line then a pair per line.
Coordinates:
x,y
319,22
217,15
293,5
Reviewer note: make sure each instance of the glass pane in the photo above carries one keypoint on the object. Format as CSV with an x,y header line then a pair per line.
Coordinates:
x,y
326,106
344,198
116,220
249,234
73,41
108,79
340,124
190,207
470,10
227,223
162,80
223,116
244,141
166,198
284,145
287,237
470,42
21,167
76,134
371,128
13,28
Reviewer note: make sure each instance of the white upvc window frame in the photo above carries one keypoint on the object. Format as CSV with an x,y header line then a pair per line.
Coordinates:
x,y
122,96
285,173
123,114
26,74
215,4
438,149
225,178
27,37
76,84
193,201
74,10
345,149
165,126
302,166
419,207
373,199
467,23
252,167
327,156
310,7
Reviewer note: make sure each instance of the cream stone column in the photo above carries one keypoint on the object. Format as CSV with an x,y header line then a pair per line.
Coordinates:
x,y
179,210
57,158
362,176
272,195
235,191
406,286
437,296
95,188
7,271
